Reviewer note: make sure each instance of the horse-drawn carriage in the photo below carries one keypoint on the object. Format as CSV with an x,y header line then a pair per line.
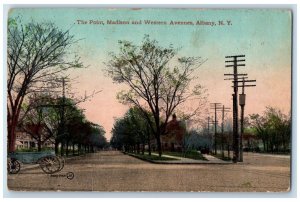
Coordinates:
x,y
48,161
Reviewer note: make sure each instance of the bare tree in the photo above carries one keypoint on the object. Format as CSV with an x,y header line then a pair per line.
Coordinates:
x,y
153,84
36,54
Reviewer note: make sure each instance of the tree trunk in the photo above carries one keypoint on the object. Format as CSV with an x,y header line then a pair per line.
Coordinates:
x,y
143,148
56,146
12,136
248,143
13,120
73,149
264,143
158,145
148,139
283,143
39,145
138,148
62,149
149,149
67,148
228,151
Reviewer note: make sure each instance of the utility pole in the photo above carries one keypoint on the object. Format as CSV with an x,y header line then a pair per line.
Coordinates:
x,y
224,109
235,63
215,106
62,128
208,125
242,102
209,122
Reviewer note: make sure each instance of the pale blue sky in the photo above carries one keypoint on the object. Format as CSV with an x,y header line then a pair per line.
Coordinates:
x,y
250,28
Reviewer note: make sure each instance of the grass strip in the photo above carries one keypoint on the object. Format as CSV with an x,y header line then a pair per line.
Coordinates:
x,y
152,157
190,155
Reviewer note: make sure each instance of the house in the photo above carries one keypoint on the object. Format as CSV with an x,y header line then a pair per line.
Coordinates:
x,y
26,141
173,139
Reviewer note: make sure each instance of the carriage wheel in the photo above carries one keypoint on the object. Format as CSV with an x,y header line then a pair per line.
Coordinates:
x,y
50,164
13,166
62,163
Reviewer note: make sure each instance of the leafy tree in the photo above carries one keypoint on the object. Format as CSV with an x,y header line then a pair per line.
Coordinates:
x,y
42,118
259,123
97,138
116,140
123,137
34,124
131,131
273,128
158,81
36,54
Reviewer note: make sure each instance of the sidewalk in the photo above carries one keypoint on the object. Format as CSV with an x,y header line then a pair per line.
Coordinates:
x,y
182,160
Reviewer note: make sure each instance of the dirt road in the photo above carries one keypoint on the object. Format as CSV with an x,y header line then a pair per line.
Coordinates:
x,y
114,171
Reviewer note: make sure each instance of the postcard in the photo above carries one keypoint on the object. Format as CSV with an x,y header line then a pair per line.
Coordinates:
x,y
154,100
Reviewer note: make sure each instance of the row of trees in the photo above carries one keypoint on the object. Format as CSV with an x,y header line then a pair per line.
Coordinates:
x,y
132,132
273,128
267,132
60,121
38,54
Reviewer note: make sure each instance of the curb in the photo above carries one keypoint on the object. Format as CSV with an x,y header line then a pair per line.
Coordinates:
x,y
177,163
147,160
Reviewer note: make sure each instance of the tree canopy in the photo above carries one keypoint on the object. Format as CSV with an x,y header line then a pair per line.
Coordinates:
x,y
158,81
131,131
273,128
36,54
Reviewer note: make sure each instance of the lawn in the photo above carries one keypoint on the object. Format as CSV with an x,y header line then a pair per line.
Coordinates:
x,y
189,154
152,157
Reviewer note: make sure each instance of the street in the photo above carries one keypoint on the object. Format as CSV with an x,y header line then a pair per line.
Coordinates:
x,y
114,171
